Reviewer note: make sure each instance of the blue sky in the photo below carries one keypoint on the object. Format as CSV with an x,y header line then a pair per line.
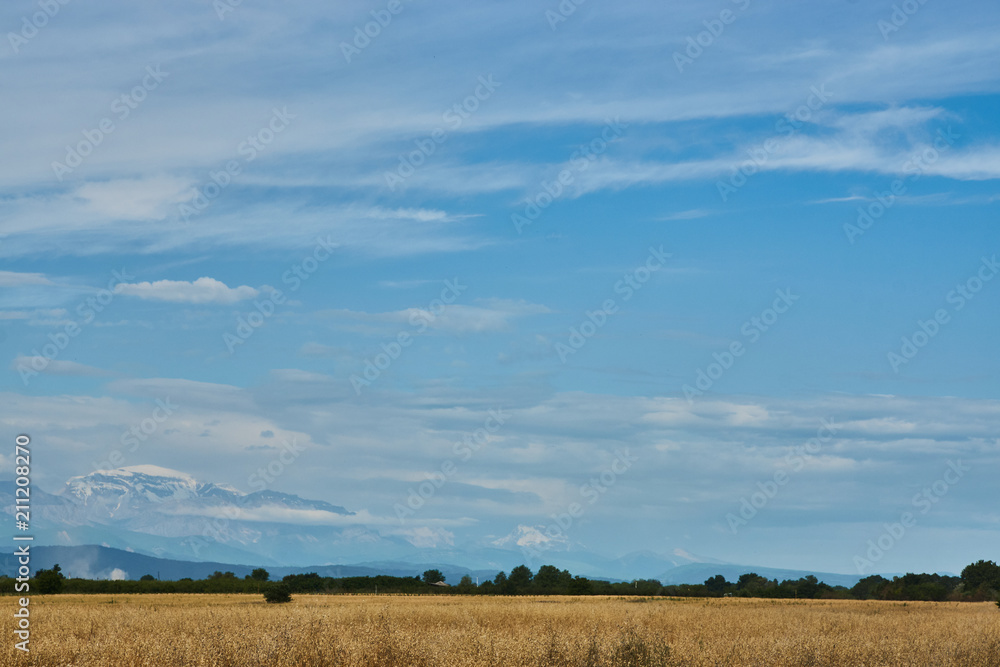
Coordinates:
x,y
808,159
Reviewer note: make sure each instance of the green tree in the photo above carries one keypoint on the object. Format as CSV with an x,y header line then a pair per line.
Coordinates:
x,y
278,594
647,587
147,577
751,584
716,585
260,574
520,580
807,586
869,587
547,580
983,574
580,586
49,581
433,576
501,583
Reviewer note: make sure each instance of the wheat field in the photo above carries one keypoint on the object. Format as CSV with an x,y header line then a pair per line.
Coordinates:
x,y
390,631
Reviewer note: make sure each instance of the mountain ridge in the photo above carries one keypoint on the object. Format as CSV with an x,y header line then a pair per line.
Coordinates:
x,y
166,514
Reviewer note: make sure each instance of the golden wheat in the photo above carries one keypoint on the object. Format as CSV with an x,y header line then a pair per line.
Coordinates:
x,y
388,631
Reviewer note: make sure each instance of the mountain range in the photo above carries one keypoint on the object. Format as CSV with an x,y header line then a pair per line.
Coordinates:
x,y
145,519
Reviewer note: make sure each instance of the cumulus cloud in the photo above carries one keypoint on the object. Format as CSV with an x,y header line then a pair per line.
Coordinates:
x,y
202,291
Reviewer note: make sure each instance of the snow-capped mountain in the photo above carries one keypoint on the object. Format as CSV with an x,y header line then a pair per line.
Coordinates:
x,y
169,513
165,513
127,492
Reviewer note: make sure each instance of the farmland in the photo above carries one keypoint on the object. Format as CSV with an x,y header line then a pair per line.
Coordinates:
x,y
242,631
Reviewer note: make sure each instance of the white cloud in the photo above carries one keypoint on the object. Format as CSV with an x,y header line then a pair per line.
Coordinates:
x,y
425,537
319,350
419,215
37,317
134,199
490,315
58,367
691,214
297,375
15,279
202,291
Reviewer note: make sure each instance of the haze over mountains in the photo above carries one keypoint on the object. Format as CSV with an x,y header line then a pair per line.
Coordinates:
x,y
142,513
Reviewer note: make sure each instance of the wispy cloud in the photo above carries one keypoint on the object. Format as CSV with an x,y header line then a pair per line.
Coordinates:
x,y
59,367
487,316
14,279
692,214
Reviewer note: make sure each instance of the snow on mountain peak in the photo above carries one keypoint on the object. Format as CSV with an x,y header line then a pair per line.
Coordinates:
x,y
157,471
141,489
146,482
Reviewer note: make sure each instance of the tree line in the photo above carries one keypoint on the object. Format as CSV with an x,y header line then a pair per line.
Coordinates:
x,y
978,582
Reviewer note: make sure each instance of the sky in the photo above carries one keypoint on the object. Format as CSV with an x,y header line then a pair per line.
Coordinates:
x,y
709,276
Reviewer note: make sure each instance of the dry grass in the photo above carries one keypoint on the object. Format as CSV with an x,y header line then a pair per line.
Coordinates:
x,y
242,631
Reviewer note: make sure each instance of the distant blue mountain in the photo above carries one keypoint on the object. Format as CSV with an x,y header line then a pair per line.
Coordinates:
x,y
98,562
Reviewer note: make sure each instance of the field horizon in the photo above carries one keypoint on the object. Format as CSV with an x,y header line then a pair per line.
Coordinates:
x,y
401,631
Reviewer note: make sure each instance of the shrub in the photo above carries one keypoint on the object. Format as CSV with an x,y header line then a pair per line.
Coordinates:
x,y
277,594
49,581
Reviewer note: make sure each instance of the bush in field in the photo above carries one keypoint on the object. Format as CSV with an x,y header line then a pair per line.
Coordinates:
x,y
49,581
277,594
